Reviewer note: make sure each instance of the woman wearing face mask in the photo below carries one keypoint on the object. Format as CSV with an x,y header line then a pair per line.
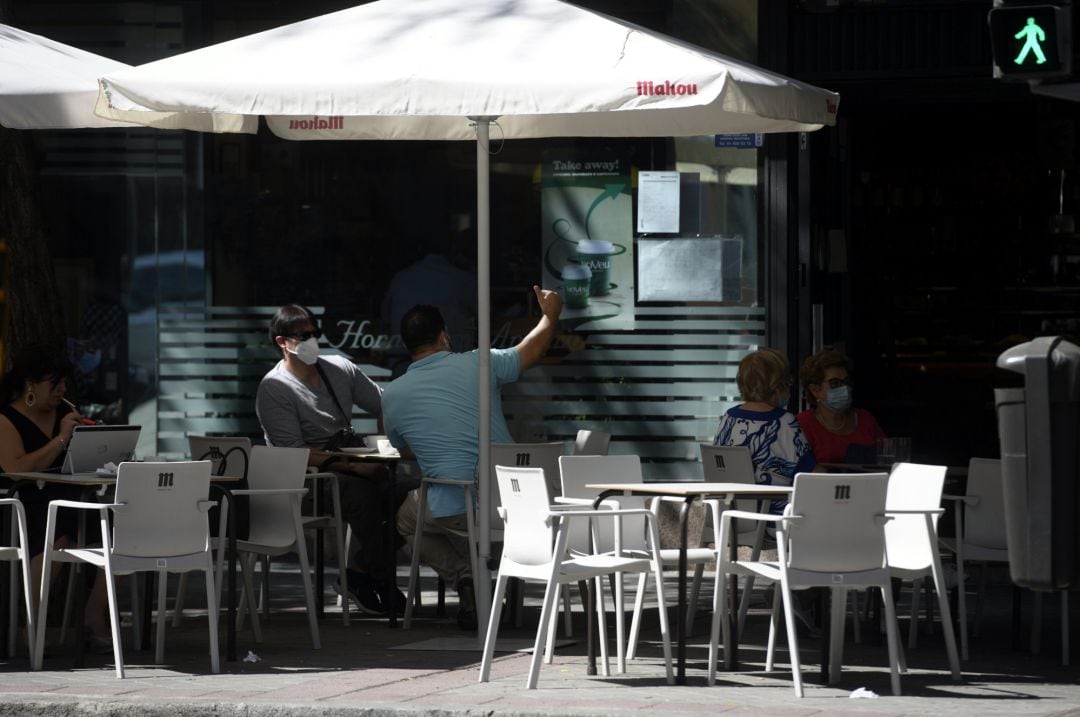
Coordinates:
x,y
837,431
763,424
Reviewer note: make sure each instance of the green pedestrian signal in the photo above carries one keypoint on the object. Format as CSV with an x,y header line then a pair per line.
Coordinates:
x,y
1031,42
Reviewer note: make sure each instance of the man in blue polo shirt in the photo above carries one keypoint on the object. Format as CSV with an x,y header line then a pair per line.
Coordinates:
x,y
432,411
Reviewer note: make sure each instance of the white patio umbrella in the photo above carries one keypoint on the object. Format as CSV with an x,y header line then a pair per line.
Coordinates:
x,y
46,84
448,69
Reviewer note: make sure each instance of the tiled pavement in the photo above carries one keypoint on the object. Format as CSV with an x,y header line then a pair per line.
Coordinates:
x,y
361,671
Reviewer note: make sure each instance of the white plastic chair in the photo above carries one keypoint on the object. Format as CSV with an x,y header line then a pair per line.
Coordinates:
x,y
913,504
159,524
17,551
627,536
542,455
732,464
528,554
228,456
276,477
980,531
591,443
831,535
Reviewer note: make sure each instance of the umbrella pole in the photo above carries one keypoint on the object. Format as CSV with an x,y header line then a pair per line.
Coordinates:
x,y
483,314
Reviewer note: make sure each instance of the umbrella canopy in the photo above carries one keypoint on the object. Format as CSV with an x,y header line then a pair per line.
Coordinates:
x,y
413,69
448,69
49,85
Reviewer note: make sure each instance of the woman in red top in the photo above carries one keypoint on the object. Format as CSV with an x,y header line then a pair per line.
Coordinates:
x,y
831,424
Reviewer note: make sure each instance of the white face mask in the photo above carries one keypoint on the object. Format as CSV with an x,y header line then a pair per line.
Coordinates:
x,y
306,351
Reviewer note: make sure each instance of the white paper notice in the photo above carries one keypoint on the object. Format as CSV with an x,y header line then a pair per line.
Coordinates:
x,y
658,202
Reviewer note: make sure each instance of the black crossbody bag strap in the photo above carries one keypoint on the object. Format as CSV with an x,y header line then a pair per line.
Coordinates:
x,y
330,388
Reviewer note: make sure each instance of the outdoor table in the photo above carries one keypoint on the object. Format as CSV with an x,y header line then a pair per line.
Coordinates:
x,y
95,483
390,460
689,491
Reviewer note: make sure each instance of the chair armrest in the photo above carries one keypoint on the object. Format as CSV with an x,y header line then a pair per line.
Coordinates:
x,y
563,500
747,515
928,511
81,505
557,511
319,475
965,499
446,481
204,506
270,491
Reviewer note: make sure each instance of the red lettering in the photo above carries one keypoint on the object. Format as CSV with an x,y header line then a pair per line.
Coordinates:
x,y
667,88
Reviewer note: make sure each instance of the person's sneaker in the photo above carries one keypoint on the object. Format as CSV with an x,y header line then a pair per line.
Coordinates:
x,y
466,616
361,590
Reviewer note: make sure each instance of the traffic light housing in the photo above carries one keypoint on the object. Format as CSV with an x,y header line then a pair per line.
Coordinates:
x,y
1031,42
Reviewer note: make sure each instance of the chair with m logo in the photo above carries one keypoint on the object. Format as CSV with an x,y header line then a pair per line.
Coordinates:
x,y
832,535
521,455
159,524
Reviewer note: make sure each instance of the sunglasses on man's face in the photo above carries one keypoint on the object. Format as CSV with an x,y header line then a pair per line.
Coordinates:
x,y
304,335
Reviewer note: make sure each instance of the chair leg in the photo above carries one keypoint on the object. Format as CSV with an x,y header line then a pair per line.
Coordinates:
x,y
414,566
13,612
342,549
774,627
43,605
550,593
178,603
792,637
18,530
264,589
695,590
69,600
136,612
961,608
247,599
568,622
913,627
305,574
836,633
661,606
946,614
212,616
620,625
162,617
856,622
601,627
549,648
635,621
493,629
114,622
892,638
744,600
1036,623
719,617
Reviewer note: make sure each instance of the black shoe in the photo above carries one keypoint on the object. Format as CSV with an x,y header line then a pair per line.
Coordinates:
x,y
361,590
398,597
466,616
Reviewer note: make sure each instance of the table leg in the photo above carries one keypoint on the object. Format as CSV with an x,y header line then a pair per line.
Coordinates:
x,y
680,615
320,552
589,596
389,595
230,538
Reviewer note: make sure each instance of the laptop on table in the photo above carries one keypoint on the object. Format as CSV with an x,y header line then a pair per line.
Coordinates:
x,y
91,447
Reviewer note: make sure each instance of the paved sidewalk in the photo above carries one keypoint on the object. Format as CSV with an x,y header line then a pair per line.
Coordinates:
x,y
361,671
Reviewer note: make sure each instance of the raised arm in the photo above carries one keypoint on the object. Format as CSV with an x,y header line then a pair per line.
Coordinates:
x,y
535,344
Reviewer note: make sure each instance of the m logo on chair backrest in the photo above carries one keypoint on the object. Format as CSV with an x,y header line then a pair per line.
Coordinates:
x,y
719,461
514,485
843,492
522,459
164,480
215,453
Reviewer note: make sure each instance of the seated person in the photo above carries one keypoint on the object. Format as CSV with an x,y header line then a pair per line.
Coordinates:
x,y
837,432
306,400
763,424
432,410
35,428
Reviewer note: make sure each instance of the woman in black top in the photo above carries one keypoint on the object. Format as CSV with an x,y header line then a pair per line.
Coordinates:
x,y
35,428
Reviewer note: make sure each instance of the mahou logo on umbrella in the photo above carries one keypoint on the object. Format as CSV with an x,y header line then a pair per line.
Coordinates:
x,y
667,87
317,123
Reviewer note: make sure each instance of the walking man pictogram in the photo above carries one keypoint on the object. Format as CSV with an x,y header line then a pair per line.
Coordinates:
x,y
1034,35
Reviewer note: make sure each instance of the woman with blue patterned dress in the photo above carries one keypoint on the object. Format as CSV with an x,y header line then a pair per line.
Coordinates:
x,y
762,423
